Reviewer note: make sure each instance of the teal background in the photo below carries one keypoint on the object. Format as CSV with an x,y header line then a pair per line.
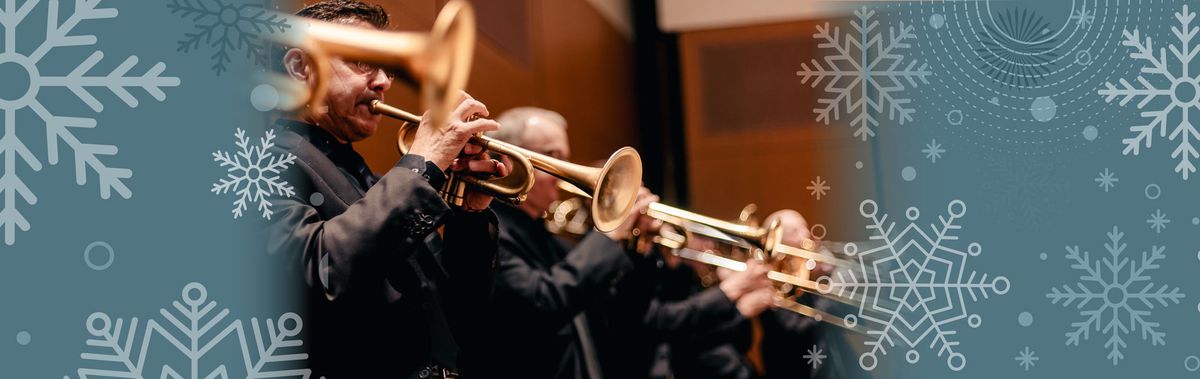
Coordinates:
x,y
171,232
1028,185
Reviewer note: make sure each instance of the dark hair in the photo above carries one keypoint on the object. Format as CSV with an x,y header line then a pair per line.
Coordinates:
x,y
339,10
336,11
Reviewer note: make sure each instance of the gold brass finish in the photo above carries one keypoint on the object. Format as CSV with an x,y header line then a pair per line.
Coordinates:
x,y
762,243
613,188
767,238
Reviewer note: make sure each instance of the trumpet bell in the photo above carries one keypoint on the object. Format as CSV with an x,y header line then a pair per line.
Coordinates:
x,y
447,63
617,186
439,62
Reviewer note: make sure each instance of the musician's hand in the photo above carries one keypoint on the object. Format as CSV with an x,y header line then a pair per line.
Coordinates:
x,y
636,217
481,166
796,233
740,283
441,144
754,303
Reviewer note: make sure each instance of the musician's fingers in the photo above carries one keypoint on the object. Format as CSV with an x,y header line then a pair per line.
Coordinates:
x,y
472,149
482,125
486,166
502,169
469,107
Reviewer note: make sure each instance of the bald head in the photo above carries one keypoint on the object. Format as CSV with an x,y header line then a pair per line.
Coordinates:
x,y
795,227
542,131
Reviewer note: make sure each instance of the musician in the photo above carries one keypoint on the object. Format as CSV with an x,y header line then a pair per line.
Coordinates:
x,y
786,335
559,301
387,296
700,350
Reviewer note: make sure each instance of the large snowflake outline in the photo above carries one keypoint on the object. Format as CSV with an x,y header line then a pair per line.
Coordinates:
x,y
280,344
58,128
247,175
1185,130
1115,294
228,28
913,283
862,73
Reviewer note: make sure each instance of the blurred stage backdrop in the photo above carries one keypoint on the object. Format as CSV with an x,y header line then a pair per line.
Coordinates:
x,y
1019,175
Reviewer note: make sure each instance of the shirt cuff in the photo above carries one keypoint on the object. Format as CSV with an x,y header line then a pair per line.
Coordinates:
x,y
427,169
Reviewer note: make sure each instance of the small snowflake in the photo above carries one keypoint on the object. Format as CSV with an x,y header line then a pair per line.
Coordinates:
x,y
1180,90
1083,17
933,150
1107,180
1102,286
228,27
1026,358
867,74
815,356
253,174
818,188
1158,221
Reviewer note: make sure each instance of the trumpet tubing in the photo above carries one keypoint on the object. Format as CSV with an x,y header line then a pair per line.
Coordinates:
x,y
613,188
782,279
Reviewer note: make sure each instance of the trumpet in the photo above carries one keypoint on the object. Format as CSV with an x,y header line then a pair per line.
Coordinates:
x,y
761,243
438,62
613,186
764,245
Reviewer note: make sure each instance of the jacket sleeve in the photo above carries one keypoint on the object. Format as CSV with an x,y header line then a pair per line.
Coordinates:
x,y
551,298
699,313
341,255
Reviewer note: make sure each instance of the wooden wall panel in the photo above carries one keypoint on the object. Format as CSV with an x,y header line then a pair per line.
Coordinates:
x,y
588,77
750,133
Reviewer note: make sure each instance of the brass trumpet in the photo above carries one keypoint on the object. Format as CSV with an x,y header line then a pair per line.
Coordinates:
x,y
439,62
614,186
787,276
761,243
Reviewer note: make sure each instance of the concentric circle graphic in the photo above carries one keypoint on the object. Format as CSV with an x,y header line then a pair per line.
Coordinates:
x,y
1021,77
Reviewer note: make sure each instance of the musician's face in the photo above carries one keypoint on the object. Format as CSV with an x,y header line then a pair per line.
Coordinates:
x,y
546,137
352,87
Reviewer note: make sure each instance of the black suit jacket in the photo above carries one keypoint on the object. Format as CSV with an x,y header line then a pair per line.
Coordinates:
x,y
385,295
541,286
680,313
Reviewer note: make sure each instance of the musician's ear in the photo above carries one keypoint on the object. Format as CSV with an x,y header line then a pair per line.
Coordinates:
x,y
295,62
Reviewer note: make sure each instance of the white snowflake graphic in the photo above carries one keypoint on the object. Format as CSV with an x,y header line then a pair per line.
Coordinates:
x,y
1107,180
1128,299
1158,221
1026,358
1180,90
23,96
228,28
1083,17
253,174
818,188
933,150
913,285
867,74
815,356
120,353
